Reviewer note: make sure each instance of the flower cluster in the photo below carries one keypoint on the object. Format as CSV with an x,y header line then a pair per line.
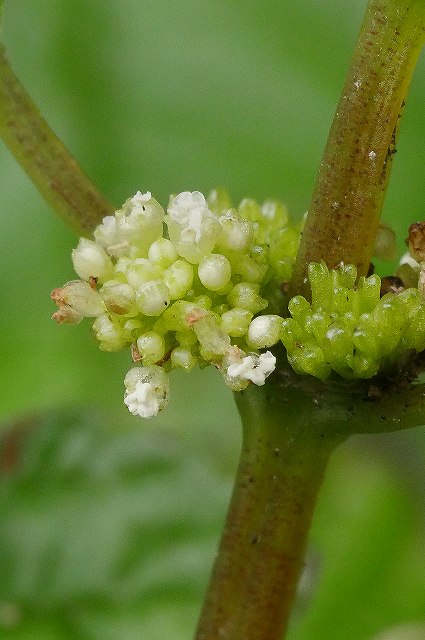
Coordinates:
x,y
203,284
192,295
350,329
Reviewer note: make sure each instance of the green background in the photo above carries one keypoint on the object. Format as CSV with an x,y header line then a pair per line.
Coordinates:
x,y
109,524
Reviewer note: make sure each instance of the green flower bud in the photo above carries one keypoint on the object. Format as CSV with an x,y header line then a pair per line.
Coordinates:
x,y
214,271
210,336
235,322
236,234
111,335
182,358
246,296
250,269
151,346
152,298
178,278
140,271
91,261
219,201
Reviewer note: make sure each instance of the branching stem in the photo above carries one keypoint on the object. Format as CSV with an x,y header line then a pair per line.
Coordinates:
x,y
42,155
344,214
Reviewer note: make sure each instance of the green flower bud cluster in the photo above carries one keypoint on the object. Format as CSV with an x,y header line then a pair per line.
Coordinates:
x,y
348,328
188,296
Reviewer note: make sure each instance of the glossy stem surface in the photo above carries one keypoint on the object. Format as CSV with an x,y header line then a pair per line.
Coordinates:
x,y
42,155
348,197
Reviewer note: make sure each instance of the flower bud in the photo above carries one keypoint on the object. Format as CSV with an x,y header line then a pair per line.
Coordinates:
x,y
214,271
246,296
264,331
119,298
235,322
91,261
178,278
163,252
151,346
182,358
79,295
140,271
111,335
152,298
236,233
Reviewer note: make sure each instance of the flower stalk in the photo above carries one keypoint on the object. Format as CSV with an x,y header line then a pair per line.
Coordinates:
x,y
343,218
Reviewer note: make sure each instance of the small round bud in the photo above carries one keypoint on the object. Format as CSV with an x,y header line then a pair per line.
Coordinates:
x,y
214,271
141,270
246,296
235,322
119,298
236,233
264,331
110,334
163,252
152,298
178,278
151,346
91,261
182,358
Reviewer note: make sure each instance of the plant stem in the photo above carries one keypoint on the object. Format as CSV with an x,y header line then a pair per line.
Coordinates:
x,y
344,214
261,553
50,166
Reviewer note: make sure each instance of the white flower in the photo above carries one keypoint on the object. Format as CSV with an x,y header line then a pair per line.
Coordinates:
x,y
182,205
143,401
146,390
140,199
254,368
189,210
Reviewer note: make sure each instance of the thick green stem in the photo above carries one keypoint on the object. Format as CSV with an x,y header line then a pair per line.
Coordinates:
x,y
42,155
290,428
262,549
344,214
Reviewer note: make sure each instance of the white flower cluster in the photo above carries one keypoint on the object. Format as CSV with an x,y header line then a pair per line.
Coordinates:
x,y
191,295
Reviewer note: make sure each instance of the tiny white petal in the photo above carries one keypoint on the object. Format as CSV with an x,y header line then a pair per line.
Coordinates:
x,y
143,401
254,368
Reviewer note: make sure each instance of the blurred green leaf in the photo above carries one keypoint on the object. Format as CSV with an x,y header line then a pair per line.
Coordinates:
x,y
103,532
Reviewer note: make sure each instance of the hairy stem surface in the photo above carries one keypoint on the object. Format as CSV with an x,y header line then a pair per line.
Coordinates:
x,y
344,214
42,155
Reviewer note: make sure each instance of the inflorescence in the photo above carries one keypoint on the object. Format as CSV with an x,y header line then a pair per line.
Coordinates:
x,y
204,284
